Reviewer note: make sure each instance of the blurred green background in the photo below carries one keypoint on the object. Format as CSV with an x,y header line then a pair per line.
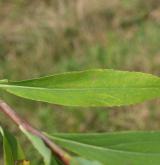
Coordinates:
x,y
43,37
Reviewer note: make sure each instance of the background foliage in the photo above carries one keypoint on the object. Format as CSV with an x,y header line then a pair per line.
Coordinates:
x,y
46,37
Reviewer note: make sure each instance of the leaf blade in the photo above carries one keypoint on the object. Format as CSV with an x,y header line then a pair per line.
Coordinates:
x,y
82,161
40,146
89,88
12,149
116,140
111,153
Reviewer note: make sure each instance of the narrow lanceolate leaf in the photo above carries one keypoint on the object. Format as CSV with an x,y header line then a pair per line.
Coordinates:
x,y
89,88
12,151
41,148
132,148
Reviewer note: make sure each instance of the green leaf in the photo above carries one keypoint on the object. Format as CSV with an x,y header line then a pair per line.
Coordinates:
x,y
89,88
11,148
82,161
127,148
41,148
126,141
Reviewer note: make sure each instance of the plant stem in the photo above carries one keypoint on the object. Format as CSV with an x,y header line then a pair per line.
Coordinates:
x,y
9,112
